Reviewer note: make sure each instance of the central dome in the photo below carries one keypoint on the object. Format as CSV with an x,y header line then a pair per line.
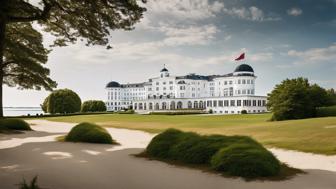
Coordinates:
x,y
112,84
244,68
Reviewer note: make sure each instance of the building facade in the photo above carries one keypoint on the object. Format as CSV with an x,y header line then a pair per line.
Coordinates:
x,y
223,94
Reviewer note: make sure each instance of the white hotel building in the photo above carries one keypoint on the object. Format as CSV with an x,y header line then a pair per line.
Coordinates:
x,y
223,94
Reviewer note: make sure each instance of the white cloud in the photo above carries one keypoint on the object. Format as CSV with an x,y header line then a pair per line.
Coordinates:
x,y
314,55
185,9
252,13
188,35
294,11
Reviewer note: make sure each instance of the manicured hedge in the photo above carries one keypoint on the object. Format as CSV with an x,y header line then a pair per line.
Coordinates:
x,y
216,151
93,106
89,132
161,144
62,101
326,111
14,124
245,160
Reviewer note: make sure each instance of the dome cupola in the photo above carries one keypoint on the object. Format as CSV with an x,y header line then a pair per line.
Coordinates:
x,y
244,69
164,72
113,84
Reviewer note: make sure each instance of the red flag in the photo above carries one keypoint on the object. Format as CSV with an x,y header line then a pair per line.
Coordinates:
x,y
241,57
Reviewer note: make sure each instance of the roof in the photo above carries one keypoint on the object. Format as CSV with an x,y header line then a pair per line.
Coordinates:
x,y
244,68
112,84
164,70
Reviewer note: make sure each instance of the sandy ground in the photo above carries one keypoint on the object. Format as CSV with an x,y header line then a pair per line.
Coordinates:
x,y
62,165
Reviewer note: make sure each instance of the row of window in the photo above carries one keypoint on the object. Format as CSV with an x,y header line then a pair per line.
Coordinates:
x,y
201,104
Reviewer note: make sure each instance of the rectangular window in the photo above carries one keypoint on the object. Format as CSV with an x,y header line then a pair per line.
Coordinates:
x,y
244,82
170,82
157,88
215,103
171,87
254,103
238,102
230,82
239,81
232,103
226,103
248,81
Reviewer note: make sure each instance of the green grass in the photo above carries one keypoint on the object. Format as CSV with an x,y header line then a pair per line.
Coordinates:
x,y
315,135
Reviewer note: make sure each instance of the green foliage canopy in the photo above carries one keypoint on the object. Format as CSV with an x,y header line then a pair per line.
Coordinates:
x,y
62,101
297,99
93,106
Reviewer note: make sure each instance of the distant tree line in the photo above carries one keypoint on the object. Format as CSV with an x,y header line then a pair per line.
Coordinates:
x,y
298,99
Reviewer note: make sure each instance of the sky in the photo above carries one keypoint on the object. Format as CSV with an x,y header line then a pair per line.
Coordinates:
x,y
281,39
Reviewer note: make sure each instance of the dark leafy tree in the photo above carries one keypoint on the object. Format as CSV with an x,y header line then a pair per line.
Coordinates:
x,y
93,106
296,99
62,101
332,96
22,54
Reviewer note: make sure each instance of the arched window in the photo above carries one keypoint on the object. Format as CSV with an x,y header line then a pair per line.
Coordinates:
x,y
189,104
179,105
201,105
140,106
195,104
172,105
135,106
145,106
157,106
151,106
164,106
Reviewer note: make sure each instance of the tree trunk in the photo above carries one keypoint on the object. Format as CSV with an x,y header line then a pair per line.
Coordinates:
x,y
2,44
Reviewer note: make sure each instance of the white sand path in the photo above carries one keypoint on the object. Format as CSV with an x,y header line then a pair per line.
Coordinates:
x,y
139,139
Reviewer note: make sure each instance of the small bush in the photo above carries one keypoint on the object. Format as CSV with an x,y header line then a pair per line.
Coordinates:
x,y
210,111
326,111
14,124
234,155
245,160
161,144
93,106
88,132
243,112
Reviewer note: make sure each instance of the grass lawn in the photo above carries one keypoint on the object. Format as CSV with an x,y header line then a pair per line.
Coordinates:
x,y
317,135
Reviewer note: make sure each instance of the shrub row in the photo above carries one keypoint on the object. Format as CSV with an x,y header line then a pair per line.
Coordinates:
x,y
93,106
89,132
326,111
14,124
233,155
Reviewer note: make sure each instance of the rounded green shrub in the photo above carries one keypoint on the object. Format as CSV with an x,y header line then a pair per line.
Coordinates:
x,y
246,160
62,101
14,124
93,106
162,143
88,132
243,112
